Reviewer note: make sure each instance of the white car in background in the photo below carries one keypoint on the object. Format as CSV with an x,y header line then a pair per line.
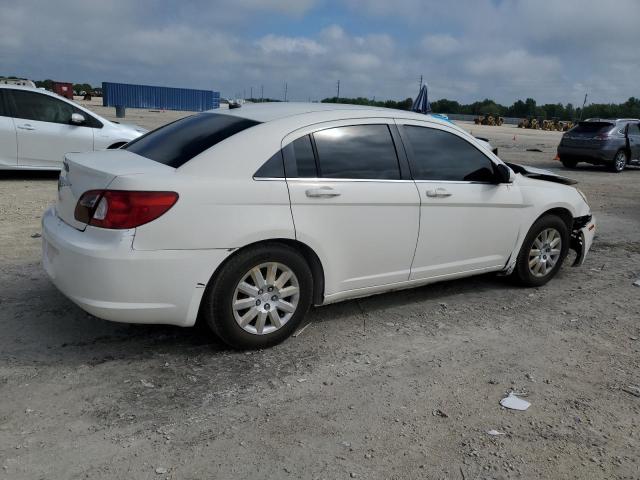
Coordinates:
x,y
246,218
38,127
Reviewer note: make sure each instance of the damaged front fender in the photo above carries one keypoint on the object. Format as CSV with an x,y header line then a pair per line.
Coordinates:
x,y
582,238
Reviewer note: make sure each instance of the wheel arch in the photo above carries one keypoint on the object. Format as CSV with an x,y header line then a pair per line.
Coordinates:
x,y
311,257
563,213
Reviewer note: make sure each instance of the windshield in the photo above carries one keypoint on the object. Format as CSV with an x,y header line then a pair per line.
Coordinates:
x,y
176,143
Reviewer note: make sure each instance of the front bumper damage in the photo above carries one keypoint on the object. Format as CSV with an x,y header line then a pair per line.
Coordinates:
x,y
582,234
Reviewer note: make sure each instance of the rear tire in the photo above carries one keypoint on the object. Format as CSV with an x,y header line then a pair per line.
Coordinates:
x,y
259,297
619,161
543,251
569,163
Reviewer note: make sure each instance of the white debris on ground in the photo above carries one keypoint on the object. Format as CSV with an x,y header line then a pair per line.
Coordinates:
x,y
514,402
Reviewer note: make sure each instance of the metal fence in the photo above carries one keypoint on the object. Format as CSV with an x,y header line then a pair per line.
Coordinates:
x,y
160,98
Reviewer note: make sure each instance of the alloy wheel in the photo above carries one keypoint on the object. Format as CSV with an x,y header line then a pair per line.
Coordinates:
x,y
620,161
545,252
266,298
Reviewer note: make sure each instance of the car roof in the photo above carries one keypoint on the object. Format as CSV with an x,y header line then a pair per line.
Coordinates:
x,y
613,120
268,112
31,89
21,87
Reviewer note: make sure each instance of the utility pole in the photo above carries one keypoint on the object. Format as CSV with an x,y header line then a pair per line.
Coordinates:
x,y
261,93
338,94
244,94
583,104
420,83
251,95
285,91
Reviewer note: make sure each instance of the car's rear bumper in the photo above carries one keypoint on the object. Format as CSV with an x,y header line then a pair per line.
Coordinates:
x,y
589,155
100,271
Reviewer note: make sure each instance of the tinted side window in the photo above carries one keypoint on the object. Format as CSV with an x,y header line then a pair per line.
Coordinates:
x,y
272,168
40,107
178,142
440,155
3,108
359,151
300,161
634,130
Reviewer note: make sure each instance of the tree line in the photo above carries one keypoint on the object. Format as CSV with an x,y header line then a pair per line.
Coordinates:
x,y
519,109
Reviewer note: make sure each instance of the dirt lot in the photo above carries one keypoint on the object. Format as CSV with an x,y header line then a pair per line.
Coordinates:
x,y
402,385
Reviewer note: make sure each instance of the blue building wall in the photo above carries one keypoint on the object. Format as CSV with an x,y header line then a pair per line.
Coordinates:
x,y
160,98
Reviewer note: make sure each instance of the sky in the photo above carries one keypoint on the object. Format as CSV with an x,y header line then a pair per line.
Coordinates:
x,y
467,50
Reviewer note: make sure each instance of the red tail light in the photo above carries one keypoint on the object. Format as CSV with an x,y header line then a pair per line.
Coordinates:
x,y
121,209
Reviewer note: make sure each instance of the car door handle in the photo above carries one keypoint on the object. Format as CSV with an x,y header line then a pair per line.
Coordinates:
x,y
438,193
26,126
322,192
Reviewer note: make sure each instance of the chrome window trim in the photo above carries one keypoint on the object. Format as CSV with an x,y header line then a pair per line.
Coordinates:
x,y
269,179
326,179
461,182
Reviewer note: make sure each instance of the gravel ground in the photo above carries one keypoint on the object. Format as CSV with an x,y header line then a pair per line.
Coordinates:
x,y
401,385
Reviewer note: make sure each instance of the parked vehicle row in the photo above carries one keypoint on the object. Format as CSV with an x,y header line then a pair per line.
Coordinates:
x,y
38,127
245,218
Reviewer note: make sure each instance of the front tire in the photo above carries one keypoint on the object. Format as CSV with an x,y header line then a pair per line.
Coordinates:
x,y
543,251
259,297
619,161
569,163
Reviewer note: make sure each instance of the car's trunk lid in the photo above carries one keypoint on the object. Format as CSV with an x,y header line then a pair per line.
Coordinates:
x,y
82,172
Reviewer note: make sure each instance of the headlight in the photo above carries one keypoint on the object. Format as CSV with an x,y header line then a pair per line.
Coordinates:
x,y
584,197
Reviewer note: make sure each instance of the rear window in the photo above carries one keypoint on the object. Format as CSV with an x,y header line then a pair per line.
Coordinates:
x,y
178,142
592,127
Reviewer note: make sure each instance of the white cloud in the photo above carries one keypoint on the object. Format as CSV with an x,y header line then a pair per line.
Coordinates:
x,y
278,44
551,51
441,44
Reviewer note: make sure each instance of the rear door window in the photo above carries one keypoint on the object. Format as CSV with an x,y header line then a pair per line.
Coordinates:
x,y
178,142
357,152
634,130
440,155
299,158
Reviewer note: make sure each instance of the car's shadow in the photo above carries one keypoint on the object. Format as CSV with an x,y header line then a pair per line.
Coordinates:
x,y
51,329
588,168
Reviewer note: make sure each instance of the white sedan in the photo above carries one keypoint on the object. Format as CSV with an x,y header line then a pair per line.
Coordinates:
x,y
248,217
38,127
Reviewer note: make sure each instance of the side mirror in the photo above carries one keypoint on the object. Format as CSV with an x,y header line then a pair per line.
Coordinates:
x,y
503,174
77,119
